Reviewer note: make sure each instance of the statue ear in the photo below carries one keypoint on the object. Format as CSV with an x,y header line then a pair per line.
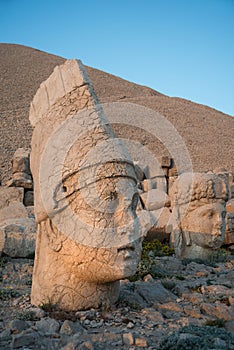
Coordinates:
x,y
53,235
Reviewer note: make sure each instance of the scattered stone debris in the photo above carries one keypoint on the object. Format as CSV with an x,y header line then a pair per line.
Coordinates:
x,y
193,303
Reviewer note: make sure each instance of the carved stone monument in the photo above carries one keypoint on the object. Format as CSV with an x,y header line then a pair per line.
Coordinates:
x,y
199,202
85,194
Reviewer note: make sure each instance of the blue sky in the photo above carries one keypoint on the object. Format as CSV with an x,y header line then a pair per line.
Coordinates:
x,y
181,48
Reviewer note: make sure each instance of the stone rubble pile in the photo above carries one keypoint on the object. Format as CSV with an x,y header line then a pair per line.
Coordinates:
x,y
17,222
153,189
193,302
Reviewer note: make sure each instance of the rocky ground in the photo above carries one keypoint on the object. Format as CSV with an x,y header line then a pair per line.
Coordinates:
x,y
185,305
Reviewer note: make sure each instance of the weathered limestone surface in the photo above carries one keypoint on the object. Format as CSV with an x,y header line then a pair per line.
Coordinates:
x,y
10,195
199,203
155,199
85,196
17,229
18,237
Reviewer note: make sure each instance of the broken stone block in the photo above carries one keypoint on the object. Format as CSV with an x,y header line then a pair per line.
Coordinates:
x,y
155,199
162,228
18,238
148,184
29,198
48,325
218,310
128,339
25,339
160,183
10,195
21,169
69,327
154,293
17,326
20,163
166,162
141,342
13,211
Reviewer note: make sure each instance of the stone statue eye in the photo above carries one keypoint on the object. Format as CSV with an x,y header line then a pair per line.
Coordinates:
x,y
64,189
113,196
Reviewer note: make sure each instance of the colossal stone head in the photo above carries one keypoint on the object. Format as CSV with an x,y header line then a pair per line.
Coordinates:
x,y
89,236
199,202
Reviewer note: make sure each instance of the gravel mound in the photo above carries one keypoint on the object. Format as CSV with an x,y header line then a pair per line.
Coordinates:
x,y
207,133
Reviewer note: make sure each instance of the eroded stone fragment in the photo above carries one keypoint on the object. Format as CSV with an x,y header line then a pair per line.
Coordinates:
x,y
18,237
10,195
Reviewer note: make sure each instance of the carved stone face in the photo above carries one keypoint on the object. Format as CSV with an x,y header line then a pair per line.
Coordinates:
x,y
206,224
106,209
89,236
200,210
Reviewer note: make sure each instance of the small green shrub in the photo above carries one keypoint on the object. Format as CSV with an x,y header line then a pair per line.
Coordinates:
x,y
27,316
144,268
155,248
180,277
3,261
147,265
47,306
